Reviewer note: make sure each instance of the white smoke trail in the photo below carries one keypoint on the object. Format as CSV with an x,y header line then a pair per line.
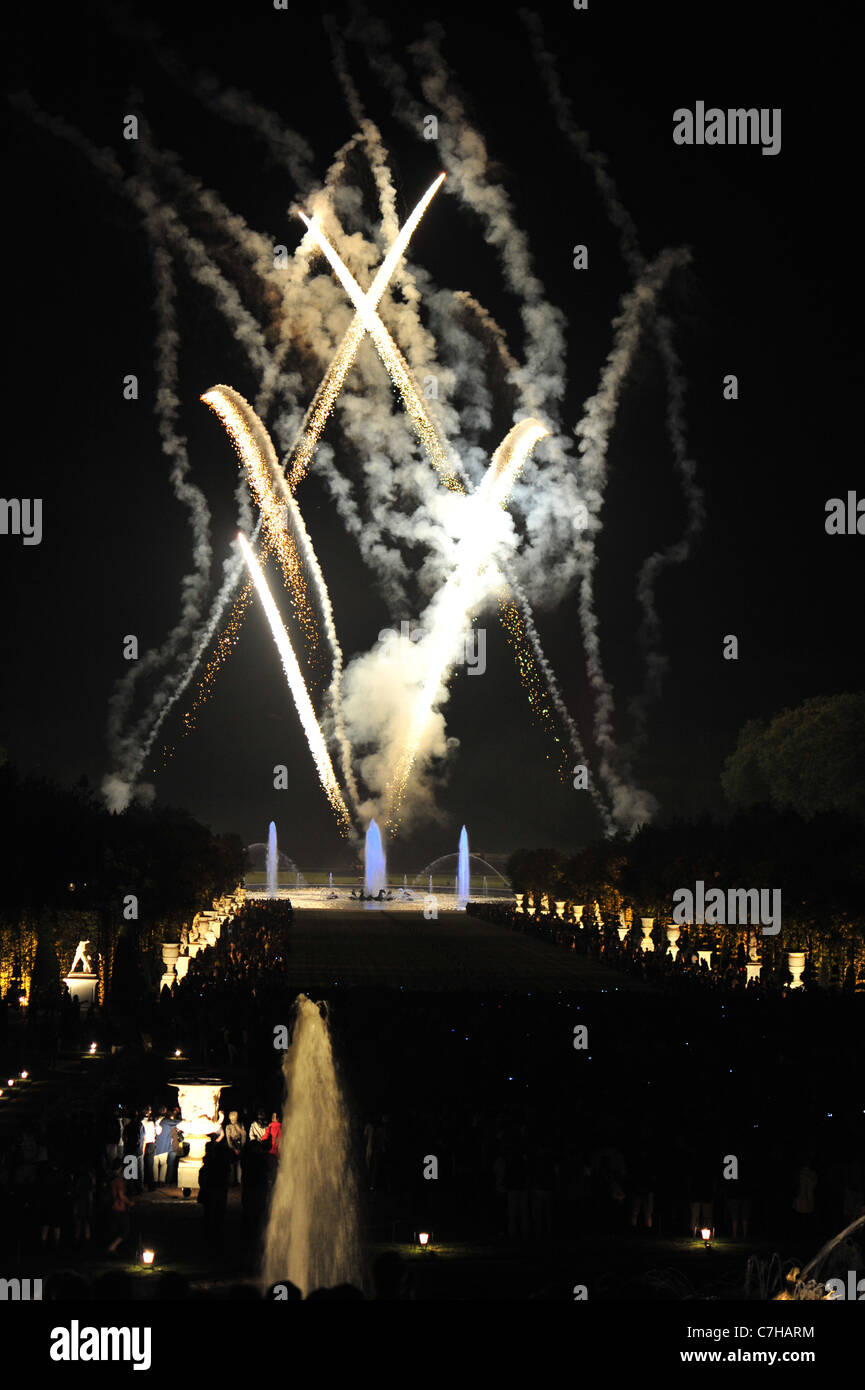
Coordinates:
x,y
629,244
260,457
593,431
299,692
465,590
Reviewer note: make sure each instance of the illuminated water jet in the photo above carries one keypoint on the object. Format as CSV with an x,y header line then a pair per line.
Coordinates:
x,y
312,1231
463,878
272,863
374,870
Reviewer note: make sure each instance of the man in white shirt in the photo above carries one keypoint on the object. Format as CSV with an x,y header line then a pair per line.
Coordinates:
x,y
148,1146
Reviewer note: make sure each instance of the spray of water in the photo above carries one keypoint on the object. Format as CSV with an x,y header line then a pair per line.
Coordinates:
x,y
272,862
375,871
312,1231
463,880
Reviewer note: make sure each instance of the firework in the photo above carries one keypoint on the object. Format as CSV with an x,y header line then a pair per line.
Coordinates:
x,y
299,692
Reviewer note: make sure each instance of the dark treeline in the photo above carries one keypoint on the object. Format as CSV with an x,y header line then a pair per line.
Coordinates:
x,y
818,865
68,858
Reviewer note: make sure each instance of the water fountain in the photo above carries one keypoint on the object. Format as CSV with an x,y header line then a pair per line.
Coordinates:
x,y
463,875
272,863
198,1098
312,1231
374,876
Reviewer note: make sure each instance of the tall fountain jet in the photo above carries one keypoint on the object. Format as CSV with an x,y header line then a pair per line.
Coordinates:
x,y
272,878
463,877
312,1232
374,875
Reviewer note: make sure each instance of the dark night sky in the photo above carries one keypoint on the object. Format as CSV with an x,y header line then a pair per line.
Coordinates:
x,y
772,296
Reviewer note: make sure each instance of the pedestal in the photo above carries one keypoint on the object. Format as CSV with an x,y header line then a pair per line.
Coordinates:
x,y
83,986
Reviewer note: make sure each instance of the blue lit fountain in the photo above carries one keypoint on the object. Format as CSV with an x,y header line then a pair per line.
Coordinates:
x,y
272,864
374,875
463,875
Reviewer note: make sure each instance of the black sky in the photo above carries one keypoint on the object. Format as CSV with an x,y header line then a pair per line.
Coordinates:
x,y
773,296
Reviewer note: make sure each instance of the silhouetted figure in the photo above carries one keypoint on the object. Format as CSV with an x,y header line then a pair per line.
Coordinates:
x,y
254,1191
213,1193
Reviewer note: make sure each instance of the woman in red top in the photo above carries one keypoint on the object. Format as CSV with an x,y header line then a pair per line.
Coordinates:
x,y
274,1134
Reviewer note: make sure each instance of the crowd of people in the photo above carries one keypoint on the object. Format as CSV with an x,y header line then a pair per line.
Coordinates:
x,y
535,1140
680,970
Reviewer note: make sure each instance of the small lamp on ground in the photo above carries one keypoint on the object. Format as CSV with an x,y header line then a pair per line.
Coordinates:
x,y
706,1234
148,1256
424,1239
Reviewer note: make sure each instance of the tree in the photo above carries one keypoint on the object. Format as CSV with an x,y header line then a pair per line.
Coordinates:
x,y
810,759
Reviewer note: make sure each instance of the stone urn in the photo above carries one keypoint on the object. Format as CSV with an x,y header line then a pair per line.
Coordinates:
x,y
647,944
578,913
198,1098
796,964
518,898
560,909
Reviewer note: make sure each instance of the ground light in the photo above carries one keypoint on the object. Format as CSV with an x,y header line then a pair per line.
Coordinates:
x,y
424,1239
24,1075
92,1049
148,1256
706,1233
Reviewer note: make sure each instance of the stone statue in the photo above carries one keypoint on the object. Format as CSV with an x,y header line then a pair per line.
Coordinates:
x,y
81,955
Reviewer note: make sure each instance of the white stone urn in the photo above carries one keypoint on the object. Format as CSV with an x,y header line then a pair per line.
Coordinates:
x,y
560,908
796,964
578,913
622,930
647,944
170,952
752,970
673,934
518,898
181,965
198,1098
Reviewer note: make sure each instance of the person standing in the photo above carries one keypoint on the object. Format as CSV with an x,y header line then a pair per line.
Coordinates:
x,y
258,1128
121,1205
235,1136
213,1192
148,1147
174,1150
162,1148
272,1136
133,1141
